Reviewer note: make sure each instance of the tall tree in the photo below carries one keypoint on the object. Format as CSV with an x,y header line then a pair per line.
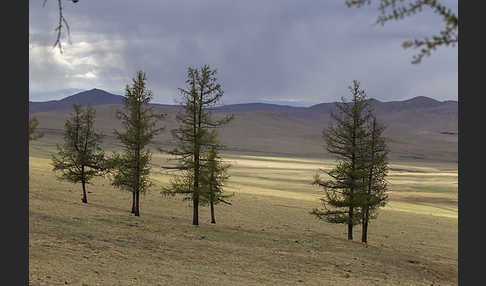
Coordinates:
x,y
341,202
203,91
398,9
374,193
131,168
81,157
213,178
33,123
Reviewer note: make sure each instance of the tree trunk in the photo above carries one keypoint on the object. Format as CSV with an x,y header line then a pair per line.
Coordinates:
x,y
350,224
353,168
85,198
350,231
364,236
197,149
195,198
195,215
133,203
137,204
366,217
212,213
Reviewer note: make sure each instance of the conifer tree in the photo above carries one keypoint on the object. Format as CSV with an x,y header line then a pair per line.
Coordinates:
x,y
391,10
81,157
33,123
211,181
192,136
374,194
214,175
341,201
131,168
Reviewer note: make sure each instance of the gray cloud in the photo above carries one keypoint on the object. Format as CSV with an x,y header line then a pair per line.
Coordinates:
x,y
295,51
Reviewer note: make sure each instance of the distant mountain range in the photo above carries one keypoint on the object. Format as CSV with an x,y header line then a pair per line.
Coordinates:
x,y
417,128
100,97
93,96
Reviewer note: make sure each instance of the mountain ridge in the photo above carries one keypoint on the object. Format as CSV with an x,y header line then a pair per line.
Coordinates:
x,y
97,96
419,127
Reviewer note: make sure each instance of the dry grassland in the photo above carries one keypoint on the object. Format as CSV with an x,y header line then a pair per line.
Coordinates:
x,y
267,237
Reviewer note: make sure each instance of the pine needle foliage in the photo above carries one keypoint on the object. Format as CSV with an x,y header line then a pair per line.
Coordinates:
x,y
33,123
81,157
131,167
374,194
193,134
341,201
213,178
391,10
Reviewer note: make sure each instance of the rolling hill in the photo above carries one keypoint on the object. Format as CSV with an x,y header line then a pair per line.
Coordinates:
x,y
420,128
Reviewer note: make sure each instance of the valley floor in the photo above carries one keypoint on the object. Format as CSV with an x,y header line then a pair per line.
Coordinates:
x,y
267,237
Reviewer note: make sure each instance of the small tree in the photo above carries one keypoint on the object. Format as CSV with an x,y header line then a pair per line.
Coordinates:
x,y
213,178
131,169
33,123
81,157
341,202
192,135
374,194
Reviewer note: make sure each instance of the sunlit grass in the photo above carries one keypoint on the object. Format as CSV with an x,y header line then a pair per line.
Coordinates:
x,y
267,237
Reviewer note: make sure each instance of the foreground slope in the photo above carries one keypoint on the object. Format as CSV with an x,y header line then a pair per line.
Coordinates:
x,y
267,237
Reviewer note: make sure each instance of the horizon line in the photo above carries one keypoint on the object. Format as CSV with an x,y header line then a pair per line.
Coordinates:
x,y
268,102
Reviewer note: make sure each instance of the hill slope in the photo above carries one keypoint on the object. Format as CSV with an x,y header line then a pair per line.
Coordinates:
x,y
93,96
418,128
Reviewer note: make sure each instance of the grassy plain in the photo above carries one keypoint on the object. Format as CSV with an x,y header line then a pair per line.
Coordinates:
x,y
267,237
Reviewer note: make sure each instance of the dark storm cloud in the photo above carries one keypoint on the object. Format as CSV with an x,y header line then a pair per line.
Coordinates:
x,y
295,51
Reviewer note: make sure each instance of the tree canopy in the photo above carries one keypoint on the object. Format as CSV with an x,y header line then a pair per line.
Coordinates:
x,y
193,136
344,139
131,168
33,123
81,157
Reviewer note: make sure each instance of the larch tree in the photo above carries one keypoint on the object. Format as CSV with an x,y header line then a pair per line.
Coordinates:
x,y
341,201
33,123
62,24
214,176
391,10
81,157
192,136
375,187
131,167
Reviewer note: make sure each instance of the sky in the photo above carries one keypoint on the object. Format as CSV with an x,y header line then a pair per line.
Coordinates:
x,y
298,52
